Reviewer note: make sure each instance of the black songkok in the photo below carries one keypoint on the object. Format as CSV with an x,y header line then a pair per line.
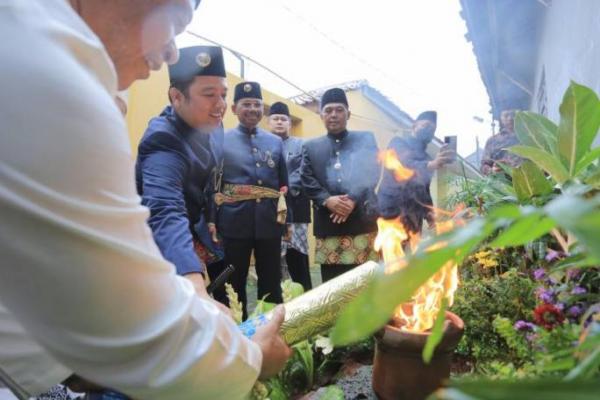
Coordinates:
x,y
197,61
335,95
428,116
247,90
279,108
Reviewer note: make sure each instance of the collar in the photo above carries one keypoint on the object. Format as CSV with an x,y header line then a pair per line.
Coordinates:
x,y
171,115
247,131
341,135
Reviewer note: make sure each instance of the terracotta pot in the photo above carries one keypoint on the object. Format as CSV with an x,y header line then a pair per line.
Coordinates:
x,y
399,372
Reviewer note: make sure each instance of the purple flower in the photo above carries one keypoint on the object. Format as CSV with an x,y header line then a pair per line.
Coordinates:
x,y
560,306
578,290
524,326
552,255
531,337
539,274
573,273
545,295
574,311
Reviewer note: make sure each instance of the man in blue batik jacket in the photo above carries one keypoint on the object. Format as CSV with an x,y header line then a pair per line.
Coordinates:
x,y
252,207
178,159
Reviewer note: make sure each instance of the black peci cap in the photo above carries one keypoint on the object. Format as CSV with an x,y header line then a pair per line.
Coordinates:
x,y
279,108
247,90
197,61
428,116
335,95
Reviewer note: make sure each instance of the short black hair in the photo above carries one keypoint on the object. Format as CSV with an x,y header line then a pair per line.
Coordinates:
x,y
183,87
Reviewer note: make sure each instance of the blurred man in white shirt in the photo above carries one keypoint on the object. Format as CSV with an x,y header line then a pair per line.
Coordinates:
x,y
80,272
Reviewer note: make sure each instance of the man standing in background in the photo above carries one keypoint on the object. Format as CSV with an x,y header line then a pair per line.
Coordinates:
x,y
411,199
178,158
92,287
339,173
295,245
495,150
252,208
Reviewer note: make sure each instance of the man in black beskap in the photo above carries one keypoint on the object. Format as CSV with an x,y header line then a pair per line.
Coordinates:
x,y
410,200
339,174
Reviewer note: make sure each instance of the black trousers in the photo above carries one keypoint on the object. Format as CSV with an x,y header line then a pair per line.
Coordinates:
x,y
298,268
267,253
215,270
330,271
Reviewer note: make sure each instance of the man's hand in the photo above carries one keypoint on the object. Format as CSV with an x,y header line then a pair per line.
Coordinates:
x,y
443,157
340,218
275,351
341,205
212,229
198,281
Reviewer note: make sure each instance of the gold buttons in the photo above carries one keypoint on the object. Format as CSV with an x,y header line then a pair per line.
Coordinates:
x,y
258,200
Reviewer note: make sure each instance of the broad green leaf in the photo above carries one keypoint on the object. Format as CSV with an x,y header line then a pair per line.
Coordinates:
x,y
505,211
579,217
587,159
544,160
587,367
579,122
524,230
535,130
437,332
529,181
541,389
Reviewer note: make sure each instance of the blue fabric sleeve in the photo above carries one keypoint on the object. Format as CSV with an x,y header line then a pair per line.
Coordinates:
x,y
163,173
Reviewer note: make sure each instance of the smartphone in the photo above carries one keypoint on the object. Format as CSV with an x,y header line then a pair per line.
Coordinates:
x,y
450,142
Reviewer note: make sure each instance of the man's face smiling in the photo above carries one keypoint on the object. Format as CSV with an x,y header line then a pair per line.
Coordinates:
x,y
249,112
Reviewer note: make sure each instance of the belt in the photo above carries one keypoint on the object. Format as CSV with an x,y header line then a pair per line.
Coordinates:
x,y
232,193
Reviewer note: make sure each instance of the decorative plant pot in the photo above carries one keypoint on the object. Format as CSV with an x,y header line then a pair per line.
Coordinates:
x,y
399,372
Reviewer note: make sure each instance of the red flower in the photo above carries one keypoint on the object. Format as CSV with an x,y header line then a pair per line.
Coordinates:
x,y
548,316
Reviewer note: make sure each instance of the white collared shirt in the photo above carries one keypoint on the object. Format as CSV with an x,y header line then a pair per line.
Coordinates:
x,y
79,268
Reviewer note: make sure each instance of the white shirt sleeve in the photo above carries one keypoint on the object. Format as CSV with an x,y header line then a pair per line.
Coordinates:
x,y
80,269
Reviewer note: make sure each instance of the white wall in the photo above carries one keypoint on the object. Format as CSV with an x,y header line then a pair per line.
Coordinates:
x,y
569,50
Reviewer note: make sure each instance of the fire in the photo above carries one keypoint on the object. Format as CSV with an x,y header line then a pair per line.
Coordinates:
x,y
390,161
418,315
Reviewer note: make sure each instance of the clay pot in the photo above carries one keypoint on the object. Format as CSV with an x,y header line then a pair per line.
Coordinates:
x,y
399,372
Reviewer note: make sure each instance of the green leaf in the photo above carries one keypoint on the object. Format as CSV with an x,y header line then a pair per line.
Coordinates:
x,y
579,217
587,367
544,160
437,332
535,130
505,211
587,159
593,179
542,389
529,181
579,122
524,230
332,392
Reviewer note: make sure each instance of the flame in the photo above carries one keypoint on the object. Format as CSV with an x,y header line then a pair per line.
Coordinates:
x,y
390,161
418,315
